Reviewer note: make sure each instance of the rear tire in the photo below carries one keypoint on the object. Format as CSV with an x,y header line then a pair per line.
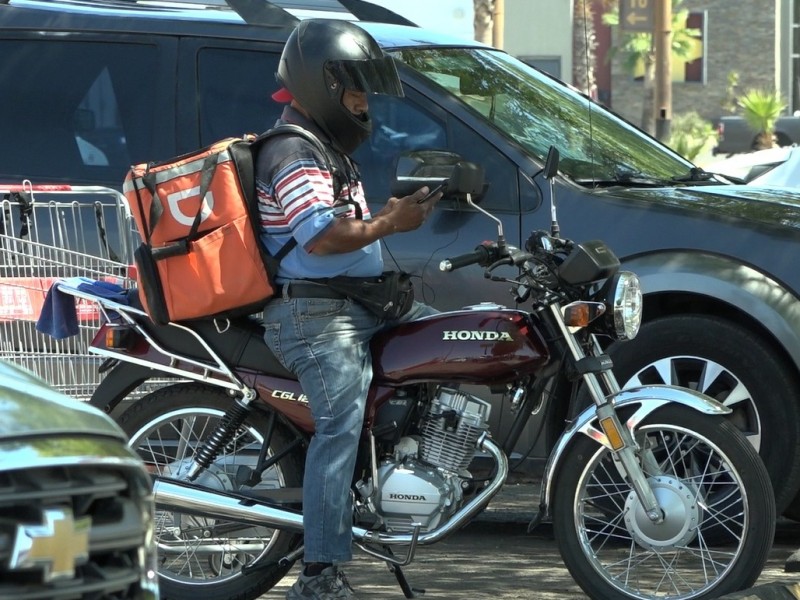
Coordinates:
x,y
718,502
203,558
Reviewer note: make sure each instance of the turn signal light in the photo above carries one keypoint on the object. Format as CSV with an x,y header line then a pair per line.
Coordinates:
x,y
580,314
117,337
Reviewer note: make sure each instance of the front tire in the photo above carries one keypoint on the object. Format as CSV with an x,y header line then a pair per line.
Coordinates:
x,y
733,366
719,512
199,557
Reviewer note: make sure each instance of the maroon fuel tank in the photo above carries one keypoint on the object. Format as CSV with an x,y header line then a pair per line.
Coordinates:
x,y
481,345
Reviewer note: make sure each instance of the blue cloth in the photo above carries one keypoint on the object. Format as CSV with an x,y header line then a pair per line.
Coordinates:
x,y
59,318
105,289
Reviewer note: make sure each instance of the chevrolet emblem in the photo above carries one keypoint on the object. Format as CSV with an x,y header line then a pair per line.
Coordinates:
x,y
58,545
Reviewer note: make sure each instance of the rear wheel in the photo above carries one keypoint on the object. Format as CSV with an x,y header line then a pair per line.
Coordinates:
x,y
204,557
733,366
719,512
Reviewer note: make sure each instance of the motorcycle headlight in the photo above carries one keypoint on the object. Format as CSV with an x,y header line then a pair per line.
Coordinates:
x,y
624,301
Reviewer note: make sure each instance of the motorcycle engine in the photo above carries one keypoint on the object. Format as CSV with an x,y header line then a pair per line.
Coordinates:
x,y
422,482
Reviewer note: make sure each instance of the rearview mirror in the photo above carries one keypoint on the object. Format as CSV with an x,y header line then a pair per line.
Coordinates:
x,y
434,168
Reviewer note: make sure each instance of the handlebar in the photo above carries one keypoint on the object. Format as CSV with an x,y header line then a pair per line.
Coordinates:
x,y
483,255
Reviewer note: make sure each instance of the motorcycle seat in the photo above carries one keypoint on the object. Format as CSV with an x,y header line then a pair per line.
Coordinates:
x,y
239,341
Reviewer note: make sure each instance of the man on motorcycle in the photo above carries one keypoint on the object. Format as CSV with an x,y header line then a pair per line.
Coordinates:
x,y
327,70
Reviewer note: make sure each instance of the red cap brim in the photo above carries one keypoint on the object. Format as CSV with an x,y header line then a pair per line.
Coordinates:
x,y
283,96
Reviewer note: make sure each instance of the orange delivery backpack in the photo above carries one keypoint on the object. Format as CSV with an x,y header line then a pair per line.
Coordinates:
x,y
197,216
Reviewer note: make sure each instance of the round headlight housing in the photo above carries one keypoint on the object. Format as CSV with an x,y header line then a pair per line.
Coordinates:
x,y
625,304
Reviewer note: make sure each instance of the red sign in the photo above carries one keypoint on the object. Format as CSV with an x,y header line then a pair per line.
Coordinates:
x,y
22,298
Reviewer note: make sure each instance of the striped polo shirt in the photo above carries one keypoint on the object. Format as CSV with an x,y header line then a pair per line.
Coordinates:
x,y
295,199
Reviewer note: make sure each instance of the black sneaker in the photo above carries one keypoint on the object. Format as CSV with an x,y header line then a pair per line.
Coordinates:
x,y
330,584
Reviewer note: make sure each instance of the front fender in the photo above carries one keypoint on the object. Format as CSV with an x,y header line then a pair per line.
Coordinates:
x,y
648,398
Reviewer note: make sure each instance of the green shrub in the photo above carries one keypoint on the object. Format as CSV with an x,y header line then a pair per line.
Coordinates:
x,y
761,109
689,134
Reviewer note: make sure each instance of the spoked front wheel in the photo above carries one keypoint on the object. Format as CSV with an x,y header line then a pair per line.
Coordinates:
x,y
717,503
205,557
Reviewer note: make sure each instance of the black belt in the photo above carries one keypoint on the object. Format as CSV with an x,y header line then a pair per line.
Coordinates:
x,y
311,290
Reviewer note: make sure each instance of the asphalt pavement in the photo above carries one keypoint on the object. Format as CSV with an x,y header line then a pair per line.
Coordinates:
x,y
494,558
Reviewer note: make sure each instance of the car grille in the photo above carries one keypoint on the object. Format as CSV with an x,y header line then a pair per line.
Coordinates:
x,y
112,501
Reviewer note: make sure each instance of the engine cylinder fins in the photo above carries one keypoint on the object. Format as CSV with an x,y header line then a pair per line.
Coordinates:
x,y
452,428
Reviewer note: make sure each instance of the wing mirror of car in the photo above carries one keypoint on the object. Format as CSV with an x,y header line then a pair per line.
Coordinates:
x,y
437,169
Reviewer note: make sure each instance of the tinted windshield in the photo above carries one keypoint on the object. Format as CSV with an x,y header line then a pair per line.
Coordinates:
x,y
538,112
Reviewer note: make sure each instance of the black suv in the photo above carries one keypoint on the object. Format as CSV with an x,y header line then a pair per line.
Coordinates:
x,y
88,93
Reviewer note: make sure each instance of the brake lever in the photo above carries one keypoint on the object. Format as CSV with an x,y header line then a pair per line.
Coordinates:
x,y
519,257
515,257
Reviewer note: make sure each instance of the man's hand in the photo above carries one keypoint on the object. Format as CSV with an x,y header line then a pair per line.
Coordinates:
x,y
409,212
399,214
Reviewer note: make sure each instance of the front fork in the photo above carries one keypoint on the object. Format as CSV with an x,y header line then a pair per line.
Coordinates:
x,y
602,385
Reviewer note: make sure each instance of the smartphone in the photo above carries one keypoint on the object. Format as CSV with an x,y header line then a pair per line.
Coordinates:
x,y
432,193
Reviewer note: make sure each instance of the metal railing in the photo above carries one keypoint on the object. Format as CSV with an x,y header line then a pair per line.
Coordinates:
x,y
48,232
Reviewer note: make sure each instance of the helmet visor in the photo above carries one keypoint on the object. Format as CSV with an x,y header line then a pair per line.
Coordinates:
x,y
372,76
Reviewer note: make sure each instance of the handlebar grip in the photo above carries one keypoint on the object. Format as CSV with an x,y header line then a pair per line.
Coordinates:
x,y
480,255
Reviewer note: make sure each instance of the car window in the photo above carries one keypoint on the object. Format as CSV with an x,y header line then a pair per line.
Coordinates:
x,y
501,193
397,126
400,125
235,92
528,107
79,114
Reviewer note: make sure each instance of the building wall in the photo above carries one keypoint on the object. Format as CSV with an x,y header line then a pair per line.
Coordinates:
x,y
540,29
751,37
740,36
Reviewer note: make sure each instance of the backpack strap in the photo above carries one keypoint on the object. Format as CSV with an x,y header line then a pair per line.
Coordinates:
x,y
292,129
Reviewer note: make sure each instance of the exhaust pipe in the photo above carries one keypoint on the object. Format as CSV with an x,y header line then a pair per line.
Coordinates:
x,y
190,499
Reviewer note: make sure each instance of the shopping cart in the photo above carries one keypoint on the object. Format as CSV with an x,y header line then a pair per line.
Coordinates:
x,y
49,232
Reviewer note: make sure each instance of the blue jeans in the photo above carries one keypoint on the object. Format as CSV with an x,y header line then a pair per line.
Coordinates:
x,y
325,342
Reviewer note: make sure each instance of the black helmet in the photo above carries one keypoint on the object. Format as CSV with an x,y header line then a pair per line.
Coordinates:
x,y
323,58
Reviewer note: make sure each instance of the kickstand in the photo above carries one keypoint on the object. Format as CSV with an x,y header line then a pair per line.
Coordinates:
x,y
408,591
394,564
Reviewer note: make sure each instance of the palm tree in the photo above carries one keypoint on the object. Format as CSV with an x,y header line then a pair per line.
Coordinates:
x,y
761,109
638,49
584,43
483,22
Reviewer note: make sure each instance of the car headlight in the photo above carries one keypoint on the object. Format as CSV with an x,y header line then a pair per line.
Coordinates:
x,y
625,304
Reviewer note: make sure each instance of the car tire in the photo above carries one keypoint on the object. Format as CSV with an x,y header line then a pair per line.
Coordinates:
x,y
734,366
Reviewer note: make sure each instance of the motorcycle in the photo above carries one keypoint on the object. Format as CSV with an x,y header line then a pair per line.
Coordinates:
x,y
650,490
